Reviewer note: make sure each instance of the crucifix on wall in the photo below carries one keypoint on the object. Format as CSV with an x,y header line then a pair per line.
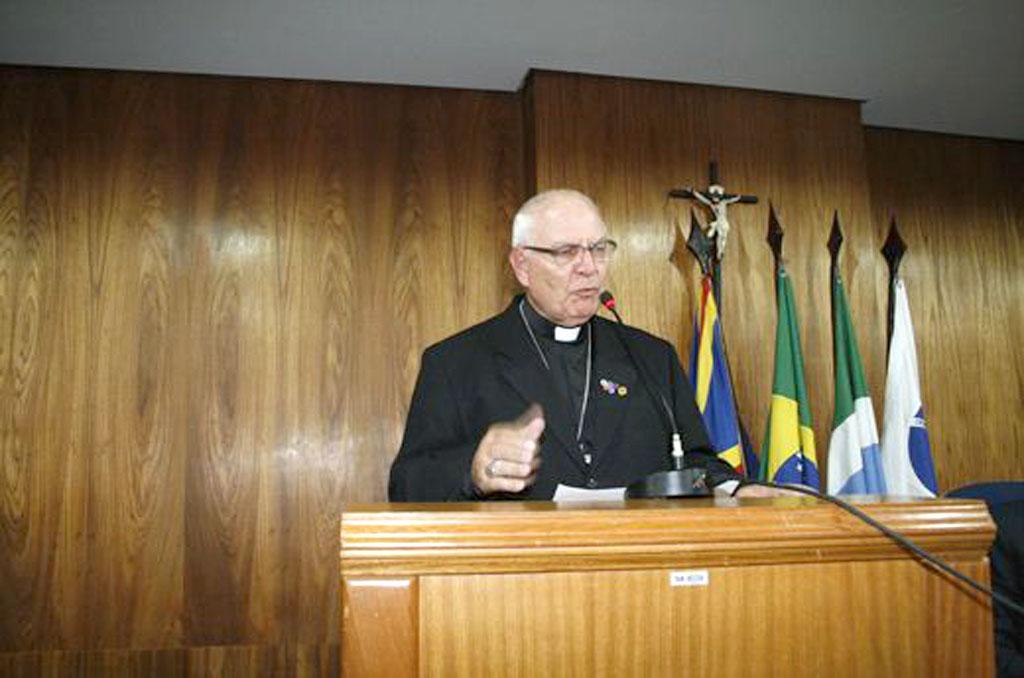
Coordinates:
x,y
716,199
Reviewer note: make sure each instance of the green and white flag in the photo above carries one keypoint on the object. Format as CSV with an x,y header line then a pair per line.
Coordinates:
x,y
854,458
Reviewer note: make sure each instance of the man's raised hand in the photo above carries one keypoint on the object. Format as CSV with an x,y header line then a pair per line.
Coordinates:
x,y
508,455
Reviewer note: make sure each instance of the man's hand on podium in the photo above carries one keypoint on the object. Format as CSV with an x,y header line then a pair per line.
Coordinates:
x,y
508,456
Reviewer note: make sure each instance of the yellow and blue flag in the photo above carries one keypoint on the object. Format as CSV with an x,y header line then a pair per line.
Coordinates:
x,y
709,374
788,454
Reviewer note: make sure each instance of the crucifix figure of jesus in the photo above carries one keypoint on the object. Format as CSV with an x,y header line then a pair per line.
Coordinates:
x,y
718,201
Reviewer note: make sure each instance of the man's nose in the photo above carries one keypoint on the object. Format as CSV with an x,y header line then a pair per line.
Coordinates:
x,y
585,262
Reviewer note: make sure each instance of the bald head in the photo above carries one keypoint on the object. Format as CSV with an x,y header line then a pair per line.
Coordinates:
x,y
544,208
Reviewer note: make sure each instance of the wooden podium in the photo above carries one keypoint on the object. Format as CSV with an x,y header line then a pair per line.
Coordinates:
x,y
706,587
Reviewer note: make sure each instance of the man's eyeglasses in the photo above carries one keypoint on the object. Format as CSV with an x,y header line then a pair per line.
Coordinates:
x,y
601,251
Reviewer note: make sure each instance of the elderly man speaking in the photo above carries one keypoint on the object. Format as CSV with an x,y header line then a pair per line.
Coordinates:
x,y
547,393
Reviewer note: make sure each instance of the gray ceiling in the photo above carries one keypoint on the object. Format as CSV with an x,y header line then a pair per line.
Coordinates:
x,y
936,65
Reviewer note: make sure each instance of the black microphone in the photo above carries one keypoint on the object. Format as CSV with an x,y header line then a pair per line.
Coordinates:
x,y
679,481
608,301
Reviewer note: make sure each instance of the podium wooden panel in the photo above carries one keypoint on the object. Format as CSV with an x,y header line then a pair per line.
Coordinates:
x,y
787,587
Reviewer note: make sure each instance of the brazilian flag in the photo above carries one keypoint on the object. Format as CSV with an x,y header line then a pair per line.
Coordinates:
x,y
788,453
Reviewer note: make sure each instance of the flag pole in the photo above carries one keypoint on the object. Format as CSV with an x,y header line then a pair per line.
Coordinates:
x,y
788,383
893,251
835,243
774,239
700,245
704,250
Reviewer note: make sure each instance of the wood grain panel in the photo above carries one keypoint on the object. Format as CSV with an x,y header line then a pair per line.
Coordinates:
x,y
92,422
959,207
299,660
215,661
635,624
98,663
627,142
213,297
369,605
542,589
407,539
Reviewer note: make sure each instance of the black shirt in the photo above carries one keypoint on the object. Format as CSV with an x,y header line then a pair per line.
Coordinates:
x,y
566,360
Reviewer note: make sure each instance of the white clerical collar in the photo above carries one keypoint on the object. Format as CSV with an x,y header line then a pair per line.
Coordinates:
x,y
567,335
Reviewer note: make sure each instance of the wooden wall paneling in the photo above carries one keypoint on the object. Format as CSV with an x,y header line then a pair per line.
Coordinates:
x,y
98,663
303,659
959,208
215,292
214,661
130,169
271,303
94,318
626,142
30,508
228,265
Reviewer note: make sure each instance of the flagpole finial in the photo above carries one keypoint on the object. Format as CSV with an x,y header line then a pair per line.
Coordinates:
x,y
700,244
893,249
835,238
775,234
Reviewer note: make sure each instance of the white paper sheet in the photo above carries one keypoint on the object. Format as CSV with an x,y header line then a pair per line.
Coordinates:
x,y
570,493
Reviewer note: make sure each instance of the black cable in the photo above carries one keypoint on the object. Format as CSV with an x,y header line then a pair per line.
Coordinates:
x,y
899,539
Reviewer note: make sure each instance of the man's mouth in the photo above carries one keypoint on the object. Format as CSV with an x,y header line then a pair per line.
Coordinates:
x,y
586,293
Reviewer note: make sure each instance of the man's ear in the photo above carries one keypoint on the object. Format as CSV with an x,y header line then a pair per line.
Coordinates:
x,y
520,266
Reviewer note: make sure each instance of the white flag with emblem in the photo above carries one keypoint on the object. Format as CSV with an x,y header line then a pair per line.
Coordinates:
x,y
906,451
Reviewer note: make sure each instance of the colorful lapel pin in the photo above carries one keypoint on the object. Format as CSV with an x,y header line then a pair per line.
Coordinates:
x,y
611,388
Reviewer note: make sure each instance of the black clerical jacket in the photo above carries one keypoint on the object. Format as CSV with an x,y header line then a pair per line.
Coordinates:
x,y
492,373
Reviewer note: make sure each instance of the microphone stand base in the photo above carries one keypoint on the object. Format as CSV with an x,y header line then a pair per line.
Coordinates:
x,y
687,482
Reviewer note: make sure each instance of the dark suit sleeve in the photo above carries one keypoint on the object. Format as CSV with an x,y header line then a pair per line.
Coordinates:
x,y
434,460
1008,579
696,443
